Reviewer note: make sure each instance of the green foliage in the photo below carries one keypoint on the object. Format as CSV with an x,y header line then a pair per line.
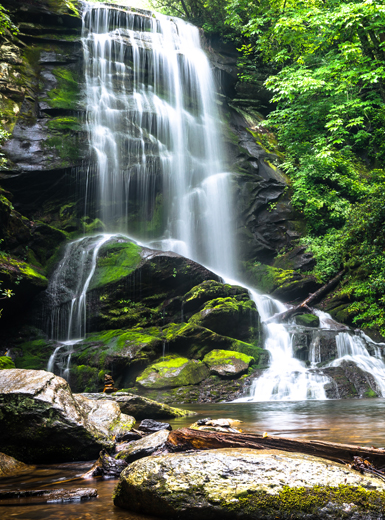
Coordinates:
x,y
6,23
6,363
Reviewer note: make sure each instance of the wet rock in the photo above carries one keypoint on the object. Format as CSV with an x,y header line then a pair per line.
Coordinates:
x,y
219,425
141,407
151,426
307,320
173,371
236,317
10,467
109,385
247,484
228,364
43,422
209,290
106,466
128,437
53,495
144,447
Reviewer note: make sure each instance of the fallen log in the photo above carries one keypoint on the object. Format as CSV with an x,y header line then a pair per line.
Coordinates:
x,y
344,453
283,316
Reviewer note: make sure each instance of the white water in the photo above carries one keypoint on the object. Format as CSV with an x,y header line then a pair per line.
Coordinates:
x,y
153,125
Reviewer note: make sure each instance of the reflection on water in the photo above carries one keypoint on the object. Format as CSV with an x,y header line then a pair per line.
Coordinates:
x,y
46,477
348,421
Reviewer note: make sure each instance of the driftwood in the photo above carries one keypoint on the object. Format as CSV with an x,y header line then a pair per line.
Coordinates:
x,y
344,453
283,316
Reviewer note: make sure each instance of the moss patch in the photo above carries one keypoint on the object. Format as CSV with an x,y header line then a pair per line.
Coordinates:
x,y
6,363
173,371
216,357
66,94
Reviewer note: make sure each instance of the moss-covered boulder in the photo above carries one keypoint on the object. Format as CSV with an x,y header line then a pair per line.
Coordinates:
x,y
173,371
248,485
233,317
208,290
6,363
283,284
43,422
228,363
307,320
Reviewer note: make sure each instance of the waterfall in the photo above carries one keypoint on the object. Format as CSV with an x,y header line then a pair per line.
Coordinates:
x,y
157,174
153,125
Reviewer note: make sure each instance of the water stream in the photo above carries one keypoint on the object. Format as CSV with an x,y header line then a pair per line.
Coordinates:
x,y
155,136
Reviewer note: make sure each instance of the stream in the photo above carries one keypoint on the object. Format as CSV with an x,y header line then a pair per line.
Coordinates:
x,y
345,421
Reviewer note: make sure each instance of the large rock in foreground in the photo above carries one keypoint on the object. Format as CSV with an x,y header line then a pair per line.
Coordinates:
x,y
248,484
41,421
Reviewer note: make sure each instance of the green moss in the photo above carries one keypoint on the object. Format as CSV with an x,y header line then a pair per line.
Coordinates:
x,y
307,320
267,278
35,354
173,371
223,357
66,94
85,378
292,500
65,124
370,393
6,363
115,261
13,266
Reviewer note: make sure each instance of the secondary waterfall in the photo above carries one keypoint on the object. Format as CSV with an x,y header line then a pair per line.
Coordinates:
x,y
157,174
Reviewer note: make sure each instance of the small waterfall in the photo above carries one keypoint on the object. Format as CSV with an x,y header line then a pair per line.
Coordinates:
x,y
67,293
287,378
353,348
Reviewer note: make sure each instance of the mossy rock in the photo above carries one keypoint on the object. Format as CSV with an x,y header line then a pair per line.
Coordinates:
x,y
227,363
6,363
209,290
283,284
233,317
173,371
307,320
35,354
116,259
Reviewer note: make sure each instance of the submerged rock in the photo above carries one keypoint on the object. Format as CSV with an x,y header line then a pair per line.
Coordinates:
x,y
144,447
53,495
10,467
43,422
248,484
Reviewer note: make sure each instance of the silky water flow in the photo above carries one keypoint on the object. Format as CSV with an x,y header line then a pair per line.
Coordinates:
x,y
153,126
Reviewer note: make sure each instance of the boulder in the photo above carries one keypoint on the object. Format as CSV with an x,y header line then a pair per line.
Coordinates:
x,y
173,371
235,317
210,290
141,407
227,363
248,485
9,467
151,426
43,422
144,447
307,320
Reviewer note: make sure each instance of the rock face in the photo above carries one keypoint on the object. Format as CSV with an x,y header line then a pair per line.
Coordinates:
x,y
248,484
227,363
43,422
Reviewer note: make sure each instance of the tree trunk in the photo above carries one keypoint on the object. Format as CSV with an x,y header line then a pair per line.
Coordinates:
x,y
311,299
206,440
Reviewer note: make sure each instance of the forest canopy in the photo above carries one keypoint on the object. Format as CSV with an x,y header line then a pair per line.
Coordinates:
x,y
327,80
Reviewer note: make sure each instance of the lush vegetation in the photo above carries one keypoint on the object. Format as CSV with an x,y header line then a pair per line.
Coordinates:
x,y
327,63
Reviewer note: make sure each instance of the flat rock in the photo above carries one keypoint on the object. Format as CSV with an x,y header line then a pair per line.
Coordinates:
x,y
144,447
43,422
52,495
10,467
248,484
141,407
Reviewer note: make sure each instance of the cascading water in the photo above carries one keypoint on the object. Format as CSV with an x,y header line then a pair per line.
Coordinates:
x,y
154,136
